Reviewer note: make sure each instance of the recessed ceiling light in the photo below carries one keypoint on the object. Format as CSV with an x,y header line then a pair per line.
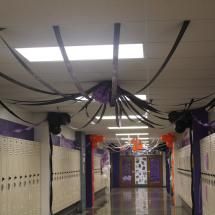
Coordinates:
x,y
78,53
131,134
129,127
140,138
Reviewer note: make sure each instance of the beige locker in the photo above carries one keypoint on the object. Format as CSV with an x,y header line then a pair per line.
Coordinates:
x,y
18,166
212,170
207,159
203,154
66,185
204,195
212,155
4,159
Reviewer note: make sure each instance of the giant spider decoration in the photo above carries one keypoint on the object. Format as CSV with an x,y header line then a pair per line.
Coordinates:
x,y
105,93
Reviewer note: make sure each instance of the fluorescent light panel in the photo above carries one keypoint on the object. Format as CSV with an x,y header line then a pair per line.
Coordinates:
x,y
78,53
128,127
140,138
112,117
132,134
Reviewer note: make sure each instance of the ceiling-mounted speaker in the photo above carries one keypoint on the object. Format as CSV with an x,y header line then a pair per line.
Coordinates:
x,y
56,119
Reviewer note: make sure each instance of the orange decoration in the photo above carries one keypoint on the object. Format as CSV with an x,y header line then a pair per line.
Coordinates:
x,y
169,139
96,139
137,145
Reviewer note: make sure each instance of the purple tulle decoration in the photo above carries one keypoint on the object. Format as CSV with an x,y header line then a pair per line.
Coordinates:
x,y
102,94
210,124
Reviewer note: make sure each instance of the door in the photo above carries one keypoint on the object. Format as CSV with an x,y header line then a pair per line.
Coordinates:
x,y
126,171
155,173
141,171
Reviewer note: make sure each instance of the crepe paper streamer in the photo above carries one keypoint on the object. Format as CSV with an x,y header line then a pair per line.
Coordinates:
x,y
178,39
14,114
8,78
96,139
169,139
137,144
28,69
125,103
67,61
115,63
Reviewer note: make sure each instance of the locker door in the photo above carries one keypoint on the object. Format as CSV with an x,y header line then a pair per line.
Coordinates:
x,y
4,159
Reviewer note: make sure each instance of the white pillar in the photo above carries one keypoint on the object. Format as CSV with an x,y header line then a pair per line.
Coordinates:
x,y
42,135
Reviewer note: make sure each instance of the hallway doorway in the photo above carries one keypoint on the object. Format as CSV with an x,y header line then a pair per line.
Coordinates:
x,y
141,171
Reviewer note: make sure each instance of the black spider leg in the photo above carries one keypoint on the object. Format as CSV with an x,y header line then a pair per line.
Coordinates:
x,y
67,61
144,119
132,109
14,114
175,45
6,77
102,114
58,100
92,118
29,70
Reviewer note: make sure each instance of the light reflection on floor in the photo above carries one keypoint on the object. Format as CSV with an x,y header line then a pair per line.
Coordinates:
x,y
138,201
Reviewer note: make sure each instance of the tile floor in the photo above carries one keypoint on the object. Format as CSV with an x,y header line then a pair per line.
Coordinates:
x,y
138,201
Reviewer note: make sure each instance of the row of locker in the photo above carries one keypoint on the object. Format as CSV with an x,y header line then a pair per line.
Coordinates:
x,y
18,157
20,177
99,178
65,159
99,181
184,174
66,178
208,194
208,174
207,148
185,186
184,158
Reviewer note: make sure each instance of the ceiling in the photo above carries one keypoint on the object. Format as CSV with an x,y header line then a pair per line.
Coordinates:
x,y
155,23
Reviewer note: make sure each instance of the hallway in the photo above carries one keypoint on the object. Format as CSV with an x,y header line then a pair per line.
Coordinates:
x,y
138,201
